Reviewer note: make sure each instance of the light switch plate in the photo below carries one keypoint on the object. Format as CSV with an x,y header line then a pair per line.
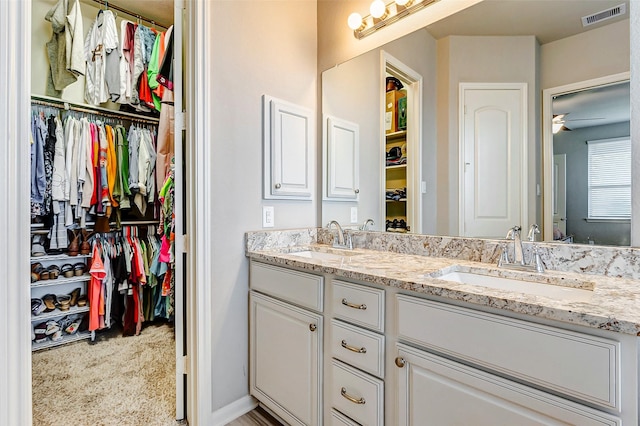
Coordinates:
x,y
268,219
354,215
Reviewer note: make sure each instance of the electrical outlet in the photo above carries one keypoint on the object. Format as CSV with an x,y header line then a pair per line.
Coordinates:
x,y
268,218
354,215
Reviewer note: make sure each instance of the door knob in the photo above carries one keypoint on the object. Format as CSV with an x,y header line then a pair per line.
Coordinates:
x,y
313,327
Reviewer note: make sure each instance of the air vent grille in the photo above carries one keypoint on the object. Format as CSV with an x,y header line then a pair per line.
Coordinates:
x,y
604,15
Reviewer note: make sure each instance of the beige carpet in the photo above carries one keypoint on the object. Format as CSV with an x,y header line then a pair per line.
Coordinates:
x,y
117,381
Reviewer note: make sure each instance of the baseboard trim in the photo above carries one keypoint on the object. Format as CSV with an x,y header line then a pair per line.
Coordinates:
x,y
234,410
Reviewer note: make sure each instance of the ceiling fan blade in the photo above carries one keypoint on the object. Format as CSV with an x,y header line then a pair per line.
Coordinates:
x,y
582,119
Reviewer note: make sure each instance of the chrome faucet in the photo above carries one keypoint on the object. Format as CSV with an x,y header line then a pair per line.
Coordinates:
x,y
365,226
518,262
514,234
343,241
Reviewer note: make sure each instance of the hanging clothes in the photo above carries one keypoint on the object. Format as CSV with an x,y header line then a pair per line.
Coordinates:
x,y
102,56
64,50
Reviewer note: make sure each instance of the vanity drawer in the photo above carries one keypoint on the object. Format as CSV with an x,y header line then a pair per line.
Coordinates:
x,y
356,394
359,304
339,419
579,365
296,287
358,347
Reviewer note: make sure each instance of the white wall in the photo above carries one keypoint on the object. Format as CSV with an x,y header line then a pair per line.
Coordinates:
x,y
597,53
351,91
487,60
256,48
337,44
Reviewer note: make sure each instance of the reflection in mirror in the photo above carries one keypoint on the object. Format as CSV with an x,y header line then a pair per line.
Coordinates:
x,y
592,157
494,41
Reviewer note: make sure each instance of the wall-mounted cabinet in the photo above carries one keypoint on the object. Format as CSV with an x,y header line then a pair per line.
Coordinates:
x,y
288,136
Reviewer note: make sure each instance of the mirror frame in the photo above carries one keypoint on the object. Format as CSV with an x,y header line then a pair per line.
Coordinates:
x,y
547,141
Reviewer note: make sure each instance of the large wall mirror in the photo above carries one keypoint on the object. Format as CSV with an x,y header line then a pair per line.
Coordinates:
x,y
539,44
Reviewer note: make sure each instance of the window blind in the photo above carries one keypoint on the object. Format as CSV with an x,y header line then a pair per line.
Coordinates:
x,y
609,169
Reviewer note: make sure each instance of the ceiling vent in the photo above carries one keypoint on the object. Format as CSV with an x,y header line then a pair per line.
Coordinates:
x,y
604,15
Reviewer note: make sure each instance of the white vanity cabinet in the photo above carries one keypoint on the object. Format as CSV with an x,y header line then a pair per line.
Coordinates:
x,y
504,370
396,357
356,381
286,342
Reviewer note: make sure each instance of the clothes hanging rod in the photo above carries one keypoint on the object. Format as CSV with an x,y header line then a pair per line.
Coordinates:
x,y
130,13
71,106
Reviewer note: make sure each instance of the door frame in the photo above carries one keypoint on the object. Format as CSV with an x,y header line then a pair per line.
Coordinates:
x,y
15,351
524,198
547,140
414,85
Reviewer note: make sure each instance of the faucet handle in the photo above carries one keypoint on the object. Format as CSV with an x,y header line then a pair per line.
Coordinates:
x,y
535,229
504,255
537,260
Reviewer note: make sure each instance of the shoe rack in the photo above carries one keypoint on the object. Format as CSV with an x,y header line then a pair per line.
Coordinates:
x,y
58,275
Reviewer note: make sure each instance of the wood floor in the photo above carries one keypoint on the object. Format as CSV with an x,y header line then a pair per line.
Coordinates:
x,y
257,417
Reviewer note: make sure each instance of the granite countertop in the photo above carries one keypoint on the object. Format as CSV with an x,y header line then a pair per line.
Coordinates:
x,y
610,303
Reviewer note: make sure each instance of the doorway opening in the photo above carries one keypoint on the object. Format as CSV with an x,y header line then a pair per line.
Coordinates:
x,y
157,348
401,150
577,118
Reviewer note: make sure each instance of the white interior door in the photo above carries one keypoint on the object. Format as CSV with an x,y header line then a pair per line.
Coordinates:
x,y
560,192
493,159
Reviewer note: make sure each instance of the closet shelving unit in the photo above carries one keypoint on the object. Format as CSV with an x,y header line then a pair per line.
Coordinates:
x,y
396,178
62,285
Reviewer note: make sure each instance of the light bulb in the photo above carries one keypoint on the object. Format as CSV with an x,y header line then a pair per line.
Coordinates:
x,y
378,9
354,21
403,2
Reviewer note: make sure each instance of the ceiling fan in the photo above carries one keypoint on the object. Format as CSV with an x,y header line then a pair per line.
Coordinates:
x,y
558,122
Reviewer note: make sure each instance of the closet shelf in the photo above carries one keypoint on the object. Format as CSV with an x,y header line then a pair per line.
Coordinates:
x,y
63,256
57,313
80,335
401,200
396,135
398,166
61,280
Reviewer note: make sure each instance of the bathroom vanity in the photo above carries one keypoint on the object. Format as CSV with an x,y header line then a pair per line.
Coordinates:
x,y
377,337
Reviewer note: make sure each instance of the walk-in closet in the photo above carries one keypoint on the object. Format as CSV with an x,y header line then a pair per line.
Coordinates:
x,y
106,204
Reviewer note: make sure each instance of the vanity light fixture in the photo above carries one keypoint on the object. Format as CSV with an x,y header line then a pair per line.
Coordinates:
x,y
382,14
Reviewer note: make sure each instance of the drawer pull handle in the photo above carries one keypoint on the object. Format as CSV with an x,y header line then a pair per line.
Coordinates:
x,y
313,327
400,362
353,305
353,348
344,393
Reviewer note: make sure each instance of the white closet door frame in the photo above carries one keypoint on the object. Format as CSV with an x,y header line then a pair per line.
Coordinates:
x,y
180,249
15,349
15,315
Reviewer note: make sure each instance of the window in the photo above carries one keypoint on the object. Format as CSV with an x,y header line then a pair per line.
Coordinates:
x,y
610,178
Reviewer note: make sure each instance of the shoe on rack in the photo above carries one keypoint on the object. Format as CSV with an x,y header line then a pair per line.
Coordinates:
x,y
37,306
74,246
67,270
50,302
63,301
75,294
54,272
37,246
73,326
85,247
52,327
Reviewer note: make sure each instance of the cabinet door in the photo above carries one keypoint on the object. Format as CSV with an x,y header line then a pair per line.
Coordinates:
x,y
286,349
288,157
341,159
435,391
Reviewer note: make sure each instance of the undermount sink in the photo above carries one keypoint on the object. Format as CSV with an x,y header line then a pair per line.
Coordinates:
x,y
324,255
553,291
